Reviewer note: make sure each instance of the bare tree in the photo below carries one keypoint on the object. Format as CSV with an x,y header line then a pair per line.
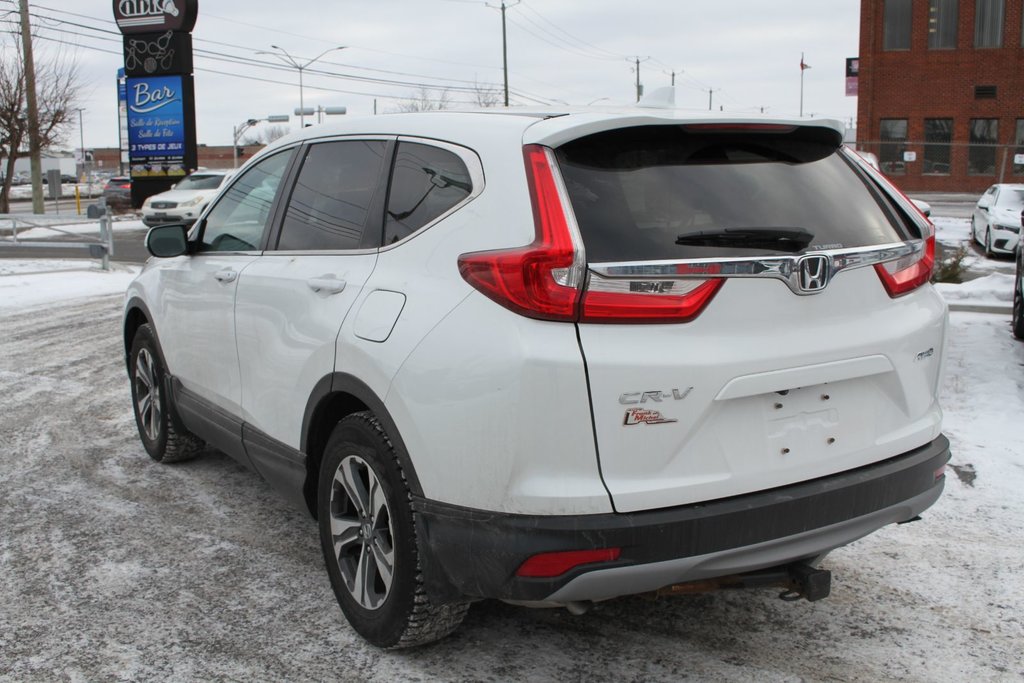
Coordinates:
x,y
423,100
265,135
57,85
486,96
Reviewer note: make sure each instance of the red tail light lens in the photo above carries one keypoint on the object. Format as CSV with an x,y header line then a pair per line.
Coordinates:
x,y
909,273
549,565
540,280
621,307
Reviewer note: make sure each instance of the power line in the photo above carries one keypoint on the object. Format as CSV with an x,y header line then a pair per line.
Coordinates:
x,y
431,82
611,55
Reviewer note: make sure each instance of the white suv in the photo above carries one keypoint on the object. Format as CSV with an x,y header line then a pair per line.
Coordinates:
x,y
184,202
553,357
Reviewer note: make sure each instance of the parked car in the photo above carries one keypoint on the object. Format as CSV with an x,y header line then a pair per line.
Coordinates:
x,y
996,224
1017,317
553,357
118,191
924,207
185,201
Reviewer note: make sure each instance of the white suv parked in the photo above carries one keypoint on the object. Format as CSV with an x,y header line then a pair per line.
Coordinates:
x,y
553,357
184,202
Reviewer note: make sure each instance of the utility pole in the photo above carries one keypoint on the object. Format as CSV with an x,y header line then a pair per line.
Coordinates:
x,y
33,112
639,88
504,41
504,50
710,92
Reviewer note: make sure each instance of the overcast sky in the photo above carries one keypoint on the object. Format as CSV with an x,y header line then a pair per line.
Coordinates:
x,y
572,51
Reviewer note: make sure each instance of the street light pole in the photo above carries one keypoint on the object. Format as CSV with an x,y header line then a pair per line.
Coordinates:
x,y
286,57
81,138
236,131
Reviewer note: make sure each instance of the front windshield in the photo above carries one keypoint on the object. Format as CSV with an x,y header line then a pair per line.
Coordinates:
x,y
199,181
1011,199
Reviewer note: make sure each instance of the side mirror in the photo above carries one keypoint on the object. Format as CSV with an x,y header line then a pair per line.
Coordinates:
x,y
167,241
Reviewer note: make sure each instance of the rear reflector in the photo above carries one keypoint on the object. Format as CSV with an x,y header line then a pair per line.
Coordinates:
x,y
549,565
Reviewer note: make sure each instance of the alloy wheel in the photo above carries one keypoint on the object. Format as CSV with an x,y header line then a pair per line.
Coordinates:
x,y
364,544
147,394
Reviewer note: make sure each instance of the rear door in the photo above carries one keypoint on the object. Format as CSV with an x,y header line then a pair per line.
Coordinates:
x,y
736,332
292,301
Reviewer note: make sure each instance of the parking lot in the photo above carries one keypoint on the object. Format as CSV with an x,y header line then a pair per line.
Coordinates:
x,y
117,568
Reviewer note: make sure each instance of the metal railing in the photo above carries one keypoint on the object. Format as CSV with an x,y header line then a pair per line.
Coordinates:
x,y
100,247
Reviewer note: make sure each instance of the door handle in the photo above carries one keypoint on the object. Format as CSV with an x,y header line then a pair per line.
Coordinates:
x,y
326,284
226,275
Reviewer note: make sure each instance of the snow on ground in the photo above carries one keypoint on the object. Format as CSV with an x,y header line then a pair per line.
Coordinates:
x,y
117,568
994,289
24,284
67,191
954,232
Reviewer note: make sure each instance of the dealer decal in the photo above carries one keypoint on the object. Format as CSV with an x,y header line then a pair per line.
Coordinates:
x,y
636,416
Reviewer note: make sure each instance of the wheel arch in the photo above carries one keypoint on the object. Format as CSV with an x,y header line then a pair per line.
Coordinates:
x,y
335,396
136,314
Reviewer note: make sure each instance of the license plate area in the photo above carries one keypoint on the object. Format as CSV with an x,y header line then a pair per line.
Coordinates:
x,y
818,422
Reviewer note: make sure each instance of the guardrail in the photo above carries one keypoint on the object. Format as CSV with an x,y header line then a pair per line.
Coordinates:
x,y
101,247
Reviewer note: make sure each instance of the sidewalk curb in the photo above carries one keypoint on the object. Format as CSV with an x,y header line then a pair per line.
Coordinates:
x,y
963,307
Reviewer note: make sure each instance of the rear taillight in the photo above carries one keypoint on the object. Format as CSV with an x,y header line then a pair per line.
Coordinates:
x,y
910,272
545,279
541,280
672,301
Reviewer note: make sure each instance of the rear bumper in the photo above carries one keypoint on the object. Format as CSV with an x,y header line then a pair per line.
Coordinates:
x,y
476,553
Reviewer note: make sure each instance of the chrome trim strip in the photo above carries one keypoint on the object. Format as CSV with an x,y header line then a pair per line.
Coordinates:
x,y
784,268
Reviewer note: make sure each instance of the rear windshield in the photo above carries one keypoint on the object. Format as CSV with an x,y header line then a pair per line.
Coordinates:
x,y
661,192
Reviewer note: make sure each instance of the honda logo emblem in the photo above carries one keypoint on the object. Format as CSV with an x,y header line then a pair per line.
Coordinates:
x,y
813,272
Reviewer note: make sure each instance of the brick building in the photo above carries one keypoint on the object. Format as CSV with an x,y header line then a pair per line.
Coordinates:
x,y
941,91
220,156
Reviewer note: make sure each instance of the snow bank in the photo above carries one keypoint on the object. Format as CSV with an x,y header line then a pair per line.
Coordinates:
x,y
994,288
24,284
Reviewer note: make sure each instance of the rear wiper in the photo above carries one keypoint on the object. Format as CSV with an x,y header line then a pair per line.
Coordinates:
x,y
780,239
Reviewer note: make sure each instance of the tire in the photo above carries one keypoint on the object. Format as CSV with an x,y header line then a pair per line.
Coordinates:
x,y
163,439
368,532
988,243
1017,317
974,232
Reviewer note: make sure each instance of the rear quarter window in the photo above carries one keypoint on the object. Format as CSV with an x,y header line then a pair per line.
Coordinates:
x,y
635,192
426,182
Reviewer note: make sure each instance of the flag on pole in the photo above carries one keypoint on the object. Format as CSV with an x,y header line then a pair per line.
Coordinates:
x,y
803,64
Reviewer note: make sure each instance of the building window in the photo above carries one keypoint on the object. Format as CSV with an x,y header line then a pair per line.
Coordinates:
x,y
942,24
988,23
894,142
1018,169
896,25
981,154
938,136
